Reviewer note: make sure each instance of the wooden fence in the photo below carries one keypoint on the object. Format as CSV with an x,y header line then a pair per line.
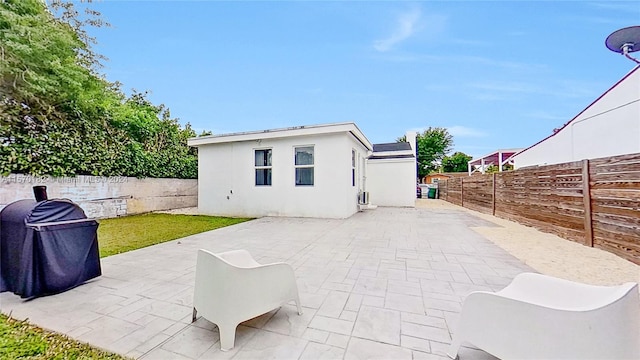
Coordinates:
x,y
594,202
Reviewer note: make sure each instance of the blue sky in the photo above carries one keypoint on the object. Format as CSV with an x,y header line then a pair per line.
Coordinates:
x,y
497,74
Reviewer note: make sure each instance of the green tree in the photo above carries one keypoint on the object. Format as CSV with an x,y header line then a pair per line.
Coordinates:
x,y
45,60
491,169
431,147
458,162
45,76
60,117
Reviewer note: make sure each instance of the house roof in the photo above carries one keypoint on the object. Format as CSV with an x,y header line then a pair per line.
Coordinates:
x,y
557,130
305,130
396,146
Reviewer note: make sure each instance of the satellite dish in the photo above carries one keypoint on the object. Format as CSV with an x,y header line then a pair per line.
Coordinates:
x,y
625,41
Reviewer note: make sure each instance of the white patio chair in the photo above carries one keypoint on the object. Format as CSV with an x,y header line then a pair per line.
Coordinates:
x,y
231,287
542,317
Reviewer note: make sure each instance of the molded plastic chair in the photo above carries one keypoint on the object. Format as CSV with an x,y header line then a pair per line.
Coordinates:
x,y
542,317
231,287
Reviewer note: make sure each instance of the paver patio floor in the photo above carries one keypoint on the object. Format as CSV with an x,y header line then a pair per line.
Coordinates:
x,y
386,283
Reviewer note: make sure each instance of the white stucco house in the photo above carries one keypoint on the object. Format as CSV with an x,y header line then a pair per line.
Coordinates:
x,y
607,127
324,171
305,171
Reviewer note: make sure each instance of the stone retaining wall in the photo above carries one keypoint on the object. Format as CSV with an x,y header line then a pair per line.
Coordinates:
x,y
105,197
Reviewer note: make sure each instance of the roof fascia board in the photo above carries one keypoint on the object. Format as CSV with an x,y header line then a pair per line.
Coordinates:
x,y
359,135
393,153
393,160
283,133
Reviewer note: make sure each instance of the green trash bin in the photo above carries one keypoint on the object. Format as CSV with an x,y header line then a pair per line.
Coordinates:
x,y
432,193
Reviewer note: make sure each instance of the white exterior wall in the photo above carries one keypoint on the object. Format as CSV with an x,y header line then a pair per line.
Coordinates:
x,y
610,126
226,174
392,182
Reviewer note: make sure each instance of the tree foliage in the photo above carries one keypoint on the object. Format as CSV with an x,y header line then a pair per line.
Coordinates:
x,y
495,168
458,162
432,145
60,117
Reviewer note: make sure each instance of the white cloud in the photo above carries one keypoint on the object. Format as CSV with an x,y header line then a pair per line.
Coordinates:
x,y
463,131
405,28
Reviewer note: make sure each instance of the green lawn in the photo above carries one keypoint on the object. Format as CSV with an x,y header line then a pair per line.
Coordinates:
x,y
128,233
21,340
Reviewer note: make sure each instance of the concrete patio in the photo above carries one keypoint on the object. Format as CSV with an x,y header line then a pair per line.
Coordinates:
x,y
384,284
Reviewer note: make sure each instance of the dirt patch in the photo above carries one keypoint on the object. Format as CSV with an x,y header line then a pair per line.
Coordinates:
x,y
183,211
547,253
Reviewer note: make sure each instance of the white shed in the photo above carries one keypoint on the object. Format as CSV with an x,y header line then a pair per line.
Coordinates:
x,y
305,171
609,126
392,173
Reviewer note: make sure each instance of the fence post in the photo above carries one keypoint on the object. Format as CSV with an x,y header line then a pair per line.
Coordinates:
x,y
493,205
462,192
446,190
586,198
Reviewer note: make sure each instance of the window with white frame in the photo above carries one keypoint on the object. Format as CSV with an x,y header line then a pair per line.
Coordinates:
x,y
263,167
304,165
353,167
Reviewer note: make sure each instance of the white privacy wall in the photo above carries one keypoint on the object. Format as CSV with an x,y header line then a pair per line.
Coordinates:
x,y
226,174
392,182
105,197
610,126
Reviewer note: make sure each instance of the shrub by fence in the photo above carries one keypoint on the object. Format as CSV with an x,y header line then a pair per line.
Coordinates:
x,y
594,202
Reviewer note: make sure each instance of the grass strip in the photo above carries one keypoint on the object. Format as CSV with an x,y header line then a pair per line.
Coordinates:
x,y
133,232
21,340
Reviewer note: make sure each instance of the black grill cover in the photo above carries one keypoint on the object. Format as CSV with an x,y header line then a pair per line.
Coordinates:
x,y
46,247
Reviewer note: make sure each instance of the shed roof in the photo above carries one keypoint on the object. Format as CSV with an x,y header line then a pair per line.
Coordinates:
x,y
305,130
396,146
396,150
